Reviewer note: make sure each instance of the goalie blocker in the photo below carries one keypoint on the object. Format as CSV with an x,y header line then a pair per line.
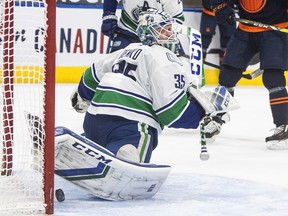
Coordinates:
x,y
213,102
95,169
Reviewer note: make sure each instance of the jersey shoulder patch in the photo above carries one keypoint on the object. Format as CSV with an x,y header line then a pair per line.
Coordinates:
x,y
171,57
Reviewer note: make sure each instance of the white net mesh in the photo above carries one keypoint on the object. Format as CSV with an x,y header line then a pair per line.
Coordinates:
x,y
23,26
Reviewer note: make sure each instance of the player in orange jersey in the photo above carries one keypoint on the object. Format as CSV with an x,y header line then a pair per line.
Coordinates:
x,y
272,45
208,29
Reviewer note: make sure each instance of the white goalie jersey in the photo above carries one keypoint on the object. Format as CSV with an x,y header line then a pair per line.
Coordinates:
x,y
141,83
131,10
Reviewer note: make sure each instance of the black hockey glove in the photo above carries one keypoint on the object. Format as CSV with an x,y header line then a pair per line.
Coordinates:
x,y
109,24
78,103
224,13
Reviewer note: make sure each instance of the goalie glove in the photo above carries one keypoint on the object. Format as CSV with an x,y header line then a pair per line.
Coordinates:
x,y
78,103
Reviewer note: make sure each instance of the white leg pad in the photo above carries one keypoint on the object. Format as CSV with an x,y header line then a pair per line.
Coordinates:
x,y
95,169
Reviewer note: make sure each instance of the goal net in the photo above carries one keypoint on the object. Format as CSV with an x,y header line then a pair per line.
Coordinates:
x,y
26,82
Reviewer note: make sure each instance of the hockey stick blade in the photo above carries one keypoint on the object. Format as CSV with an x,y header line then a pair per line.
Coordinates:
x,y
253,74
261,25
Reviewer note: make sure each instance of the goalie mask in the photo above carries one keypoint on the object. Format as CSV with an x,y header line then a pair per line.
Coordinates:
x,y
157,27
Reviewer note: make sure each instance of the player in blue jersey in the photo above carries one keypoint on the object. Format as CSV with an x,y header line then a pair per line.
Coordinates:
x,y
122,32
272,46
208,29
133,93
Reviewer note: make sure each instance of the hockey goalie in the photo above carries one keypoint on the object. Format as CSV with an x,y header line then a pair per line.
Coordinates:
x,y
128,97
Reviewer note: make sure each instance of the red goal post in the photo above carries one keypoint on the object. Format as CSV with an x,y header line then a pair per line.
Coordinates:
x,y
27,85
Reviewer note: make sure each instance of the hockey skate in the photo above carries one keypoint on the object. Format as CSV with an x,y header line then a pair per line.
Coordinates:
x,y
279,140
213,124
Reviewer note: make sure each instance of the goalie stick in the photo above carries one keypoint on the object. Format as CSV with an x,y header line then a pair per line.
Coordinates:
x,y
195,53
196,62
204,153
222,100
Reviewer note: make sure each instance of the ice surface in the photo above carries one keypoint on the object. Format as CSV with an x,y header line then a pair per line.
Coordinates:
x,y
241,177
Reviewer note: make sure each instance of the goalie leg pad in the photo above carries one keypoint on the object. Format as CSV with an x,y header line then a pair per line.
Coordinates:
x,y
98,171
